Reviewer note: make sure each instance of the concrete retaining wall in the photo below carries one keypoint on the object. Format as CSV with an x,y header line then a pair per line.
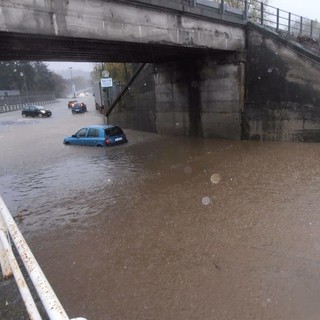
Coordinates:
x,y
201,98
283,91
198,98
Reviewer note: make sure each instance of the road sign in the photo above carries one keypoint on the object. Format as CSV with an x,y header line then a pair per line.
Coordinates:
x,y
105,74
106,82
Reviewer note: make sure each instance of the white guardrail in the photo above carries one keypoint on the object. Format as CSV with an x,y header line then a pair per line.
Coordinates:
x,y
20,106
9,266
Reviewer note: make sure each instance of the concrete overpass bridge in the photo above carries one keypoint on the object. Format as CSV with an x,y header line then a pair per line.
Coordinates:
x,y
125,30
209,71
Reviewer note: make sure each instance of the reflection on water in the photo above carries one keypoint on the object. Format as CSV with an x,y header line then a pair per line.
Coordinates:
x,y
177,228
70,189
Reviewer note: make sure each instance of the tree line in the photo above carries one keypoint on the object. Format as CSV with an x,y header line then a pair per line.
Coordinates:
x,y
31,78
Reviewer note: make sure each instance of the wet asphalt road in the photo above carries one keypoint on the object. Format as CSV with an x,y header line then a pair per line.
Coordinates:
x,y
165,227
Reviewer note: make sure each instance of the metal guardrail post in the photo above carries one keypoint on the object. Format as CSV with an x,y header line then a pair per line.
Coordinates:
x,y
301,25
289,22
222,7
262,12
245,11
311,29
278,19
193,3
4,261
22,286
45,292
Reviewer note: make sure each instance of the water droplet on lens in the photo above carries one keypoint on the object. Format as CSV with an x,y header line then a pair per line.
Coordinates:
x,y
206,201
187,169
215,178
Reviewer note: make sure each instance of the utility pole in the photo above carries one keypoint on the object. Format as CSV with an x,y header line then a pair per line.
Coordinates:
x,y
25,84
73,87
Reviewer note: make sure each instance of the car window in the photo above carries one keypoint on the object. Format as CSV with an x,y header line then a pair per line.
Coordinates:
x,y
33,108
81,133
93,133
114,131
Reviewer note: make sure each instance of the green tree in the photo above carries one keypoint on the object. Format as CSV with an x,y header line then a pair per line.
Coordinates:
x,y
10,78
80,82
59,86
32,78
252,4
253,7
121,72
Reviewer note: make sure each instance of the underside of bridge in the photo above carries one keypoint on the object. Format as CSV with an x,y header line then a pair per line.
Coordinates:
x,y
18,46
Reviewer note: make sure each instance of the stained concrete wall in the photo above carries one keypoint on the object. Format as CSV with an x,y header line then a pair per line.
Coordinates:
x,y
271,93
198,98
283,90
121,21
137,107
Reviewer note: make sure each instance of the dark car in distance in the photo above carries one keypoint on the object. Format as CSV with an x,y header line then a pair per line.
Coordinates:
x,y
98,136
36,111
79,108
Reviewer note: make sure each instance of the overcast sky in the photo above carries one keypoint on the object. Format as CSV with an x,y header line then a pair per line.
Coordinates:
x,y
306,8
61,66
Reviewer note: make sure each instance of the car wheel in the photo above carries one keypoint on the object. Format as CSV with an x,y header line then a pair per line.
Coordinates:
x,y
40,115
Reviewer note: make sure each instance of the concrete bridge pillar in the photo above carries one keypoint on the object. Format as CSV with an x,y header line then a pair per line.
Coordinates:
x,y
199,97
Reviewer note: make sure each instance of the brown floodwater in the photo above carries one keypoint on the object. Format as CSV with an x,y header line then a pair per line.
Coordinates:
x,y
170,227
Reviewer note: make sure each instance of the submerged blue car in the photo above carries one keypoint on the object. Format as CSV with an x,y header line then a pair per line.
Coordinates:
x,y
98,136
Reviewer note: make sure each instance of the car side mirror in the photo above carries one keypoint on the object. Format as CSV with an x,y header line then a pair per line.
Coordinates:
x,y
74,136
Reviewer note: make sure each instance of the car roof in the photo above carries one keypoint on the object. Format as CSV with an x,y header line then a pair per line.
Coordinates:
x,y
101,126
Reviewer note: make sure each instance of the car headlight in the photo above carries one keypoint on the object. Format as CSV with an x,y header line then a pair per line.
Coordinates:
x,y
42,111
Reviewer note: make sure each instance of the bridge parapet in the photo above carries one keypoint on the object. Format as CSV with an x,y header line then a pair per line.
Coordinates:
x,y
135,30
100,30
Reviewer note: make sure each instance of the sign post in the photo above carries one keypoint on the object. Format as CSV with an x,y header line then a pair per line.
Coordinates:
x,y
106,82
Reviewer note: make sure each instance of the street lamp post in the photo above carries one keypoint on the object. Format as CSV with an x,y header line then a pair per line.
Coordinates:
x,y
73,87
25,84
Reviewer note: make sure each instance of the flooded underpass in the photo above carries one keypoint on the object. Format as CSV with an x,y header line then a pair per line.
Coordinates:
x,y
169,227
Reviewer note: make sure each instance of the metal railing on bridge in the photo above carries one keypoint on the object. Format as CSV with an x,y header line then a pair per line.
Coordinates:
x,y
9,266
241,11
266,15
